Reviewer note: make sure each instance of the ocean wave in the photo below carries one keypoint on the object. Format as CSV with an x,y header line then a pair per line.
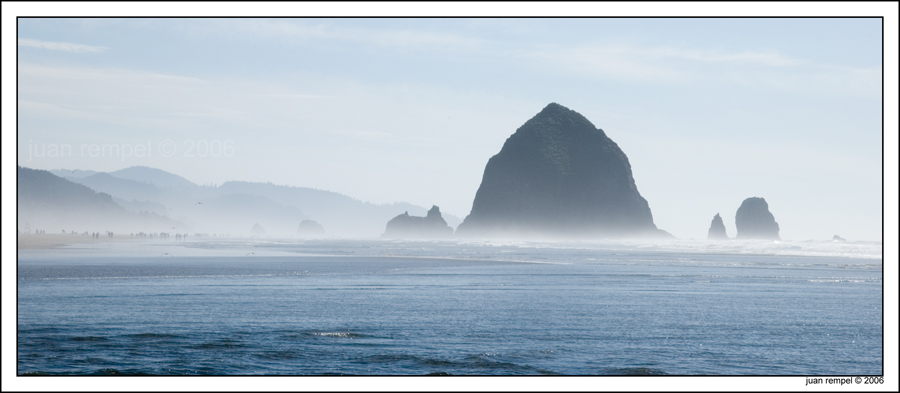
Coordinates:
x,y
291,274
633,371
89,338
337,334
860,250
220,344
152,335
277,355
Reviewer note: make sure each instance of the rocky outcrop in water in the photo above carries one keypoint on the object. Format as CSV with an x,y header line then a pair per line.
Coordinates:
x,y
717,229
432,226
310,228
257,230
837,238
754,221
559,176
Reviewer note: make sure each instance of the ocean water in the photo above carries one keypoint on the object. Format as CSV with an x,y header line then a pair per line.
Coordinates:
x,y
342,307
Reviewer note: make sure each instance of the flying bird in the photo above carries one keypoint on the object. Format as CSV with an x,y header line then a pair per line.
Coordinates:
x,y
249,254
198,203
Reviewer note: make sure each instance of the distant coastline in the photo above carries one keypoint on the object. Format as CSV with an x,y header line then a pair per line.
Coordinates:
x,y
44,241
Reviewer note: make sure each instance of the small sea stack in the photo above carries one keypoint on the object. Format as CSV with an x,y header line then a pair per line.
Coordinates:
x,y
837,238
257,230
717,229
432,226
310,229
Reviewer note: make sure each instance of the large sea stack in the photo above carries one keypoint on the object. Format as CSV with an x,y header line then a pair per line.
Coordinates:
x,y
717,229
432,226
754,221
558,176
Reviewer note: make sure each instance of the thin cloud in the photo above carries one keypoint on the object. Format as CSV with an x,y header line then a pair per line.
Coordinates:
x,y
60,46
300,96
409,38
827,80
84,73
606,62
91,113
398,39
679,65
766,58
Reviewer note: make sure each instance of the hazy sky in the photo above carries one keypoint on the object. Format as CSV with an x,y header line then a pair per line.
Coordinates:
x,y
708,111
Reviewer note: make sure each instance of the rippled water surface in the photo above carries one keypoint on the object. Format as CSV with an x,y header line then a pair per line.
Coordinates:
x,y
415,308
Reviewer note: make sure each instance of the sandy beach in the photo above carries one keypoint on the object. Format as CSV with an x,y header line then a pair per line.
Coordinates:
x,y
57,240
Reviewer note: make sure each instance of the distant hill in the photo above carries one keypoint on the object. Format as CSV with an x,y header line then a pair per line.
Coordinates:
x,y
49,202
235,206
156,177
205,209
77,173
339,213
43,190
235,214
120,188
142,206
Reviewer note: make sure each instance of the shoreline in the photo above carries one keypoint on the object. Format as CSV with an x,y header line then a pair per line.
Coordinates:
x,y
45,241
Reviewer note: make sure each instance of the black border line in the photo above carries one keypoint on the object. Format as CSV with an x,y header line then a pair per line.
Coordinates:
x,y
476,17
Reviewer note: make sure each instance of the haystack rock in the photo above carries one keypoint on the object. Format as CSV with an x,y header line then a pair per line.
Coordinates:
x,y
754,221
257,230
310,228
432,226
837,238
717,229
559,176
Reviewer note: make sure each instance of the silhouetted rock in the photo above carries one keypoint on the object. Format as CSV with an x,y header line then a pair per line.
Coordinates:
x,y
754,221
559,176
837,238
432,226
310,228
717,229
257,230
